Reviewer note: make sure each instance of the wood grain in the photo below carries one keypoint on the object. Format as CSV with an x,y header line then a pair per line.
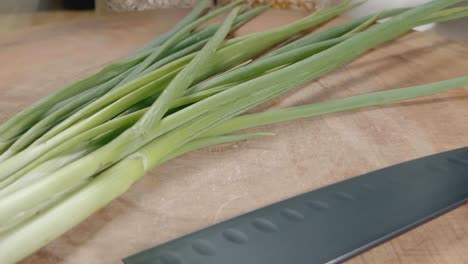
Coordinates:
x,y
19,21
214,184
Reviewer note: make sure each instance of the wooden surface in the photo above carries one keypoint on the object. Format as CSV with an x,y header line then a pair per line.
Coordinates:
x,y
19,21
215,184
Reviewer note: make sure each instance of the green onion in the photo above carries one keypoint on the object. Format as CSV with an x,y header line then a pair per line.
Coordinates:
x,y
255,68
112,104
196,12
176,37
335,31
126,141
338,105
62,168
66,108
22,121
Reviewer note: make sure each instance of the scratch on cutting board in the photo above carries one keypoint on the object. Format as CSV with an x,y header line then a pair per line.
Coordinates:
x,y
224,205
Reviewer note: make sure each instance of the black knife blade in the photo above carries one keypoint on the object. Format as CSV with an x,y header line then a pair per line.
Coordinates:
x,y
330,224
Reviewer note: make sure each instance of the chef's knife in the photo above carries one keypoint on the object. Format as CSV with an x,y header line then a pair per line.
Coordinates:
x,y
331,224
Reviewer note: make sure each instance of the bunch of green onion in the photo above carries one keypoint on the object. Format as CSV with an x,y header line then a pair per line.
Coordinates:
x,y
76,150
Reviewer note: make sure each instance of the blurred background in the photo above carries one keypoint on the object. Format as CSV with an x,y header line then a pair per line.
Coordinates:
x,y
17,14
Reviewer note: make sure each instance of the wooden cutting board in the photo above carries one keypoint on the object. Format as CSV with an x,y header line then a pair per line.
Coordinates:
x,y
218,183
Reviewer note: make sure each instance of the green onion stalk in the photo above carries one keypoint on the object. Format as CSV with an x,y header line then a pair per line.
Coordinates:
x,y
68,111
16,133
114,102
77,163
